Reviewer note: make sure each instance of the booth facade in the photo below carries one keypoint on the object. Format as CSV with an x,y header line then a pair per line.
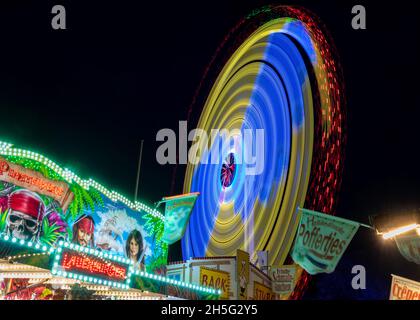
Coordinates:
x,y
224,273
61,235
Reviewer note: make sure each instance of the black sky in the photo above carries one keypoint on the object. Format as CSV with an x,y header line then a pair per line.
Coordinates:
x,y
86,96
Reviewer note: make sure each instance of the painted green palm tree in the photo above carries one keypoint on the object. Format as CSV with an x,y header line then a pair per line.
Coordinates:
x,y
50,233
154,226
83,200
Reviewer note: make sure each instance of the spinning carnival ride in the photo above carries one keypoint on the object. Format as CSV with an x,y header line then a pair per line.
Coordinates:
x,y
276,70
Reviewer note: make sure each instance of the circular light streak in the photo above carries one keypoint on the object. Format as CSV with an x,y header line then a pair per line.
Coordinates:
x,y
278,75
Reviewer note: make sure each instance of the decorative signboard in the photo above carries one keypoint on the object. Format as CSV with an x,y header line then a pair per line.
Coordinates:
x,y
77,262
216,279
262,292
87,264
177,213
36,182
404,289
321,241
283,279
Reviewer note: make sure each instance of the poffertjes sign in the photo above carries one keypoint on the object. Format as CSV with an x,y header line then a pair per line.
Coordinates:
x,y
404,289
35,181
321,241
216,279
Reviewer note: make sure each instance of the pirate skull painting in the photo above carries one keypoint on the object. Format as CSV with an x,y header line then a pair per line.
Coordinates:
x,y
26,211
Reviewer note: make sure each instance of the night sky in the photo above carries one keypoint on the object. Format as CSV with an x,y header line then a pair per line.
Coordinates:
x,y
86,96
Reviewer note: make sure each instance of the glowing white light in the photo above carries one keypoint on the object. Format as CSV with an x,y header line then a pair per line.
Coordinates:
x,y
399,231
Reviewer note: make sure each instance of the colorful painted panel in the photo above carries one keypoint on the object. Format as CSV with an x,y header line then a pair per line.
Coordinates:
x,y
32,212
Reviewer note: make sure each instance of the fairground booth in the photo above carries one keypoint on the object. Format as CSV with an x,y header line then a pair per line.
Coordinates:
x,y
62,237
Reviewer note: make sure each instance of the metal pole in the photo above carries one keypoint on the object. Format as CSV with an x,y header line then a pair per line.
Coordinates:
x,y
138,172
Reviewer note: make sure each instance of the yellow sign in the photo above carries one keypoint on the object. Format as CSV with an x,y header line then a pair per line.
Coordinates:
x,y
261,292
242,273
216,279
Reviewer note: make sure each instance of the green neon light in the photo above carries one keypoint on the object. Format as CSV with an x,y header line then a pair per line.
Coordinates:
x,y
93,252
7,149
90,279
27,244
177,282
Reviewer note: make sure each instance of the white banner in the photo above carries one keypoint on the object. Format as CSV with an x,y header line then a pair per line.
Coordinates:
x,y
283,279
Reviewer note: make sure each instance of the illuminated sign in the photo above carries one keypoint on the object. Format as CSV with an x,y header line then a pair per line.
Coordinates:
x,y
35,181
216,279
77,262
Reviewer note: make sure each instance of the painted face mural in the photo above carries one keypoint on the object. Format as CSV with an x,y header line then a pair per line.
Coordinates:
x,y
26,211
134,246
122,231
83,230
